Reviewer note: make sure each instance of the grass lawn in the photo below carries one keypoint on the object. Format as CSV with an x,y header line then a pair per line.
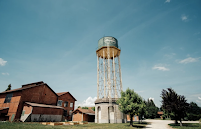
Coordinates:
x,y
186,126
35,125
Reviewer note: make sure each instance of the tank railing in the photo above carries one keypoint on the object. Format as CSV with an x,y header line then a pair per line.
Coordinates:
x,y
118,48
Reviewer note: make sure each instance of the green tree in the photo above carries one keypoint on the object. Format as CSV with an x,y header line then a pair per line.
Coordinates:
x,y
93,108
142,110
130,103
79,107
9,87
174,104
193,112
85,108
151,108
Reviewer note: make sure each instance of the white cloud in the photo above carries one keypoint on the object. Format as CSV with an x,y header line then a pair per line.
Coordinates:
x,y
169,56
5,73
167,1
89,102
2,62
150,98
199,98
162,68
189,60
184,18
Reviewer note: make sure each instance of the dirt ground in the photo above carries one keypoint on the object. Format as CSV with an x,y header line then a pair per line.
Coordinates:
x,y
163,124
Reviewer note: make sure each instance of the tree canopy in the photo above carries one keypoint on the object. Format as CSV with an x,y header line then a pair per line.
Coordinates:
x,y
175,104
130,103
151,108
193,112
9,87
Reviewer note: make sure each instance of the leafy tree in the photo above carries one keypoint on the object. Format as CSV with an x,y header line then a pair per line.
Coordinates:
x,y
142,110
93,108
152,110
9,87
193,112
85,108
130,103
79,107
174,104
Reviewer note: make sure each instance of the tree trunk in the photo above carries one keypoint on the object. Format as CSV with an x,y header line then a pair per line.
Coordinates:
x,y
176,122
139,119
180,123
131,120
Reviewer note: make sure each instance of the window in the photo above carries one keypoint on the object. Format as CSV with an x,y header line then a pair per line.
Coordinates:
x,y
65,113
8,98
66,104
70,112
71,104
59,103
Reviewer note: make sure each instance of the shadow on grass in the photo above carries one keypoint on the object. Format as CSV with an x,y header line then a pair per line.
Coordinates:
x,y
138,125
185,125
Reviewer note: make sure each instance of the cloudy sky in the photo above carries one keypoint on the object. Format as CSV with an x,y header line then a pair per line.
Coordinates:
x,y
55,41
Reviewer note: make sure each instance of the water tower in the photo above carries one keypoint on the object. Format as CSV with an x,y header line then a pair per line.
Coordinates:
x,y
109,81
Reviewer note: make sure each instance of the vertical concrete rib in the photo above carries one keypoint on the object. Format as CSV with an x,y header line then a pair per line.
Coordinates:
x,y
115,83
120,73
97,76
108,56
104,72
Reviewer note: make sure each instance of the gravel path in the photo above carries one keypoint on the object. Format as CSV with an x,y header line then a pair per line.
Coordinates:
x,y
163,124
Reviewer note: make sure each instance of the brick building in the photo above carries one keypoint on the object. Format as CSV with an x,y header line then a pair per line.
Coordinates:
x,y
32,102
83,115
67,101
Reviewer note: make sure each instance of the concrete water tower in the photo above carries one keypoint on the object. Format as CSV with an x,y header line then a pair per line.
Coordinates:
x,y
109,81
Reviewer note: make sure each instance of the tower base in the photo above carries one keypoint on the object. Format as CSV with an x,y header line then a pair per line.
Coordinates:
x,y
108,111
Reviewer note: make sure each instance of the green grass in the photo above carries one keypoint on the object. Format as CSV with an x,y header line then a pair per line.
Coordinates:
x,y
35,125
186,126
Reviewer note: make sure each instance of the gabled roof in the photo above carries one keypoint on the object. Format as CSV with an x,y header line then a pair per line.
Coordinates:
x,y
35,83
18,89
42,105
26,86
62,93
86,111
160,112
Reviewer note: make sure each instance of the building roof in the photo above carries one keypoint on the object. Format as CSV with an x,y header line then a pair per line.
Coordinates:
x,y
62,93
35,83
18,89
86,111
160,112
26,86
42,105
4,108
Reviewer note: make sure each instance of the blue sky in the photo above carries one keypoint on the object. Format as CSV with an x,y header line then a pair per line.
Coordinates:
x,y
55,41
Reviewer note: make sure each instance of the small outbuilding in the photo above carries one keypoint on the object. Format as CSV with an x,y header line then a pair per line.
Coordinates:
x,y
83,115
160,114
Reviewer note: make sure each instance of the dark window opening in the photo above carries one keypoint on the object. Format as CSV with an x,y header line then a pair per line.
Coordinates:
x,y
59,103
66,104
65,113
8,98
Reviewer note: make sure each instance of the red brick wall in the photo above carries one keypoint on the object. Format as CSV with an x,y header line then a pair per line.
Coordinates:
x,y
67,98
85,117
27,109
43,110
39,94
13,105
77,116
